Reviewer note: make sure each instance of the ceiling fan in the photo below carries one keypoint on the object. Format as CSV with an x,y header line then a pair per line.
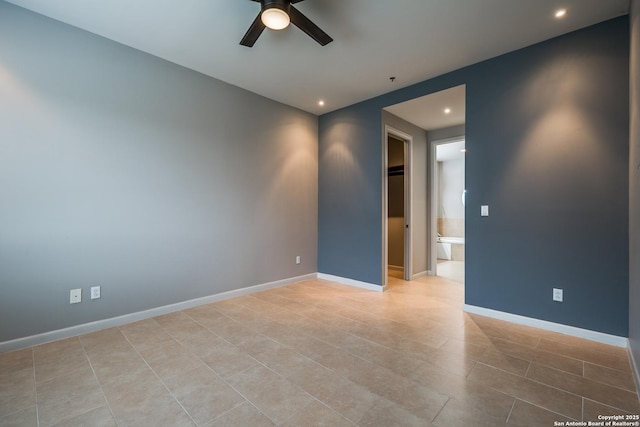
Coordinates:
x,y
276,15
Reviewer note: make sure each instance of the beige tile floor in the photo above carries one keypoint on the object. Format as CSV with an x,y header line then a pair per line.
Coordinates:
x,y
451,270
318,353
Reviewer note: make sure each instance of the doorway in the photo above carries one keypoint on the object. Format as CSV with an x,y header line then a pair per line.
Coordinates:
x,y
397,204
432,117
448,208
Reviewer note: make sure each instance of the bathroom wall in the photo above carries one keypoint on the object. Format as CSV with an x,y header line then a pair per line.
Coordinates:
x,y
450,207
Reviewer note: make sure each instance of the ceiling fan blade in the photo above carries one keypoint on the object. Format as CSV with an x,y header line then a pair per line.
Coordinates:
x,y
252,34
295,1
312,30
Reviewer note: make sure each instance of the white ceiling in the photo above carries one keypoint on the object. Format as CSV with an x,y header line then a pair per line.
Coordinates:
x,y
428,112
412,40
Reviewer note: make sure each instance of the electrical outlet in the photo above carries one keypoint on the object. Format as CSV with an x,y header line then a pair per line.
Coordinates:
x,y
557,294
75,296
298,259
95,292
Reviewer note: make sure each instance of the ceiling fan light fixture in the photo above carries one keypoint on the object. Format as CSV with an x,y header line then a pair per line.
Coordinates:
x,y
275,18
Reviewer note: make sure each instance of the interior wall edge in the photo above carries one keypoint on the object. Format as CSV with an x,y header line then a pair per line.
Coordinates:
x,y
634,189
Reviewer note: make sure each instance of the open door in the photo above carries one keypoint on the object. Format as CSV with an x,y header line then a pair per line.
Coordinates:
x,y
397,204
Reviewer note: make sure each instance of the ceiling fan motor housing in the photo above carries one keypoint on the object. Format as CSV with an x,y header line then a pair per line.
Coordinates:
x,y
277,4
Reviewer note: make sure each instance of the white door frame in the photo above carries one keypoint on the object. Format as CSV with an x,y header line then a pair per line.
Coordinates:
x,y
433,223
408,240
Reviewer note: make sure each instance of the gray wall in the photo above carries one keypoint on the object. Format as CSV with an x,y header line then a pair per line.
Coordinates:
x,y
122,170
547,136
446,133
634,189
419,211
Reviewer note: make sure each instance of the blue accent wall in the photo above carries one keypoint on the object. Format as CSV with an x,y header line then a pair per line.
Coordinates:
x,y
547,135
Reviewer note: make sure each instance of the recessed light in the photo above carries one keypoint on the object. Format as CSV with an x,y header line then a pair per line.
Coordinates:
x,y
447,110
321,103
560,13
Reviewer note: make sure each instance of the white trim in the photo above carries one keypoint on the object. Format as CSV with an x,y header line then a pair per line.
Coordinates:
x,y
395,267
549,326
141,315
351,282
417,275
408,228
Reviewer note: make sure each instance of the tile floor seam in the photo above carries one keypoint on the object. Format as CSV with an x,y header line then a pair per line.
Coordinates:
x,y
251,402
513,405
329,407
537,382
221,378
604,404
326,367
292,415
546,409
466,377
441,409
160,379
104,395
35,385
585,399
556,388
582,377
246,399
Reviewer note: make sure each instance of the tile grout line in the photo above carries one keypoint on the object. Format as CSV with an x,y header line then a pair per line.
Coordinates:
x,y
332,345
158,377
247,400
267,367
569,392
534,381
98,381
35,385
441,409
513,405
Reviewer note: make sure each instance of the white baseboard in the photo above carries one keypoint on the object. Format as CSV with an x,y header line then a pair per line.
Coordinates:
x,y
351,282
141,315
395,267
550,326
422,273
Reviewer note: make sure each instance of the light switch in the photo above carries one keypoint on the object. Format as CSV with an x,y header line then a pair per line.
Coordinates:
x,y
484,210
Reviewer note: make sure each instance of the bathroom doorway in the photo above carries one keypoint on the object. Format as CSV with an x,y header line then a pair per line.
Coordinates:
x,y
448,208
